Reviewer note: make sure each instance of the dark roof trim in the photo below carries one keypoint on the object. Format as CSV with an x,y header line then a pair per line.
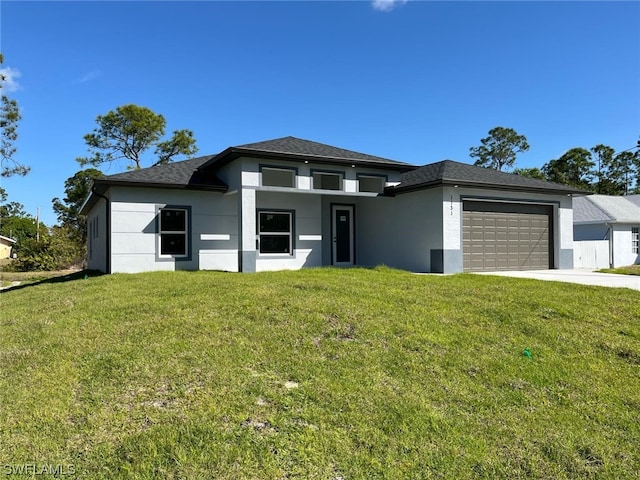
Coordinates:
x,y
399,189
232,153
176,186
101,185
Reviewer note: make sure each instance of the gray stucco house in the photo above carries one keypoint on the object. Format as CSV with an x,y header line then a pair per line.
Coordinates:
x,y
606,231
290,203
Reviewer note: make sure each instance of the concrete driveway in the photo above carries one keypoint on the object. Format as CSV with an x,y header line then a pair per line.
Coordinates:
x,y
584,277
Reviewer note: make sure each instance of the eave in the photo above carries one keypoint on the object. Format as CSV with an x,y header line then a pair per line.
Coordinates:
x,y
233,153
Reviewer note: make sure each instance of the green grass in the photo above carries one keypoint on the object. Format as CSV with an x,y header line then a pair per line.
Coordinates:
x,y
322,374
630,270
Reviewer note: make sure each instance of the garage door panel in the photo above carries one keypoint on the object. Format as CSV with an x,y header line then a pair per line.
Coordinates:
x,y
503,236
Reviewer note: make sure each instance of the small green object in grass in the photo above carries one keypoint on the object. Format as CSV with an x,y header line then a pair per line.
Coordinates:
x,y
527,353
86,277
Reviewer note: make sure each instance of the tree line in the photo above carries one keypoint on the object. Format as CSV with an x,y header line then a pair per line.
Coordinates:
x,y
599,169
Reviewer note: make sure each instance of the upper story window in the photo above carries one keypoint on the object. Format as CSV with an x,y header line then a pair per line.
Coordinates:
x,y
327,181
367,183
278,177
173,232
635,239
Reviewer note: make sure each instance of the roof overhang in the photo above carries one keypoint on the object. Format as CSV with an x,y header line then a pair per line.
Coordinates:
x,y
233,153
399,189
101,185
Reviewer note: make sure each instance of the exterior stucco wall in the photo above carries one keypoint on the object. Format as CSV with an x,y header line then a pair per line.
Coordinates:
x,y
213,230
399,232
307,233
453,197
622,253
312,210
251,176
97,236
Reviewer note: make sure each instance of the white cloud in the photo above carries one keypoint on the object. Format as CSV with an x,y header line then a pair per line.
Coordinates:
x,y
10,79
93,74
387,5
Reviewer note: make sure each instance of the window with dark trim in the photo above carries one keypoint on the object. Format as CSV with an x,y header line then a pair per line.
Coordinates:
x,y
327,181
278,177
90,239
635,239
371,184
275,232
173,232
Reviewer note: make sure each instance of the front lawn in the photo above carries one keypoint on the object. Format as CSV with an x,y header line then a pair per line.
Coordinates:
x,y
630,270
325,373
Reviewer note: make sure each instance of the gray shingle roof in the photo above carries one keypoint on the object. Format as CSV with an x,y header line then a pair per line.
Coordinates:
x,y
183,174
297,149
635,199
448,172
606,209
175,175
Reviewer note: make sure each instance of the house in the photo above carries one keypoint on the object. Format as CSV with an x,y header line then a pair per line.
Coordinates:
x,y
6,246
291,203
605,230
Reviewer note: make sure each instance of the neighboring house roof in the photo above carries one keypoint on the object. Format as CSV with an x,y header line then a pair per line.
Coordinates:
x,y
7,239
606,209
448,172
635,199
297,149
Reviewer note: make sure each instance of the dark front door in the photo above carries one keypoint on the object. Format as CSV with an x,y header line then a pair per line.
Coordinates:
x,y
342,223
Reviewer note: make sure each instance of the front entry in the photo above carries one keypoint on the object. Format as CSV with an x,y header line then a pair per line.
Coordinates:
x,y
342,231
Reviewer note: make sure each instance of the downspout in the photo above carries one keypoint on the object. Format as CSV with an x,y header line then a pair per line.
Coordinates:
x,y
107,227
610,244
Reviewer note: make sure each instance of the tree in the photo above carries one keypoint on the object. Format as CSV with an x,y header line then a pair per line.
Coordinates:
x,y
534,172
499,149
573,168
626,172
605,170
76,189
21,228
9,118
128,132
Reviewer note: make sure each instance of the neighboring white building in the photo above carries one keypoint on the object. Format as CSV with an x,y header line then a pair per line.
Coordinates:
x,y
290,203
606,231
6,246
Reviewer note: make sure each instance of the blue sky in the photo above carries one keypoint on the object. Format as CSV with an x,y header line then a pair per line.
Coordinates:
x,y
414,81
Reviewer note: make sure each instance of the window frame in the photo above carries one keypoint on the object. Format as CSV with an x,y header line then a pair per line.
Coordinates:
x,y
292,170
290,233
635,240
337,173
90,236
384,179
186,232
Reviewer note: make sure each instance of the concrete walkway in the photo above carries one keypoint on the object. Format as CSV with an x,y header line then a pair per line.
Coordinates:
x,y
584,277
